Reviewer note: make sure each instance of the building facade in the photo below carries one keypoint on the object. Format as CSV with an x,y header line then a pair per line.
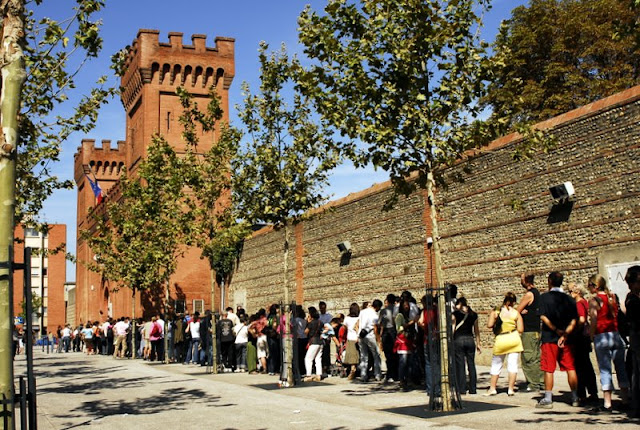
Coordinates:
x,y
48,274
154,70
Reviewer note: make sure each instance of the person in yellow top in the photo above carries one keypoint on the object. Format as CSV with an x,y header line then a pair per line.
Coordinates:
x,y
508,344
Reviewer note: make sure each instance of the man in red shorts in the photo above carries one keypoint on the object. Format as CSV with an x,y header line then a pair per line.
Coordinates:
x,y
558,314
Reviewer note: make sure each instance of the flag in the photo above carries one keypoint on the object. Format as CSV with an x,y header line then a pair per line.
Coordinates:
x,y
97,191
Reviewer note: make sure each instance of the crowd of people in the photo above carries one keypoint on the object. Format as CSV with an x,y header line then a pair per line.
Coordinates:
x,y
541,331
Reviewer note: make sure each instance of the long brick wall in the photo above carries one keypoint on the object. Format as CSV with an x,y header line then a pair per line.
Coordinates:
x,y
494,224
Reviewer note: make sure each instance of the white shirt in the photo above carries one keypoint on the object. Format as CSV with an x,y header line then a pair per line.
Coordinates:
x,y
195,329
350,323
368,318
105,327
161,322
66,332
242,333
234,318
121,328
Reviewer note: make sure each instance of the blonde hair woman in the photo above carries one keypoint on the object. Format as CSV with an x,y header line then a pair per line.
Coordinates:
x,y
603,311
508,344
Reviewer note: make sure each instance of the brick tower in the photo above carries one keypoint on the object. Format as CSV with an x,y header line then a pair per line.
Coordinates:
x,y
153,72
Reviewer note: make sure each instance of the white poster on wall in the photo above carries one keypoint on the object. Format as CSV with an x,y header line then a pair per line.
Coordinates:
x,y
616,273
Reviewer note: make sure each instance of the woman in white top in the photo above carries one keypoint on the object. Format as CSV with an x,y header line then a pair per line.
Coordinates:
x,y
351,355
194,328
241,331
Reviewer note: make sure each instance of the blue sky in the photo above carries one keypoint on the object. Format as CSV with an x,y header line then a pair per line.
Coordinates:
x,y
248,21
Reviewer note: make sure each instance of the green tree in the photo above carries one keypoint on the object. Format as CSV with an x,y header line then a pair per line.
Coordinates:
x,y
208,175
35,83
557,55
280,172
36,306
138,237
404,78
216,230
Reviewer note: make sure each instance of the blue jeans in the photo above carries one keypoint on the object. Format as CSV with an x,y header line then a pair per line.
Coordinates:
x,y
432,374
367,344
404,363
192,352
609,347
241,355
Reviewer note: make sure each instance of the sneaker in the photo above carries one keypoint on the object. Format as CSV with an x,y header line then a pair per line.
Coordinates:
x,y
490,393
511,393
544,404
576,402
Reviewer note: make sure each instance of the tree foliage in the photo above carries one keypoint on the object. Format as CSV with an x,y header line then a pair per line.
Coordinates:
x,y
557,55
138,237
402,77
56,52
281,171
36,306
215,230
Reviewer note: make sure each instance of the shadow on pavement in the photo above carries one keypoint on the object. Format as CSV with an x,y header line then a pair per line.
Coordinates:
x,y
547,418
420,411
274,385
163,401
360,389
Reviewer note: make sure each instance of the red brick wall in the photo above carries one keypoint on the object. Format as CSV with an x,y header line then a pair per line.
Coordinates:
x,y
57,274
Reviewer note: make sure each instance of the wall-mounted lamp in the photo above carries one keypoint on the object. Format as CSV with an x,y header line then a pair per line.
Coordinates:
x,y
562,192
429,241
344,247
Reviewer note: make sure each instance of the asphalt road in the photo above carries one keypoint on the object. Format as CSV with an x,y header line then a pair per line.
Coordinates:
x,y
77,391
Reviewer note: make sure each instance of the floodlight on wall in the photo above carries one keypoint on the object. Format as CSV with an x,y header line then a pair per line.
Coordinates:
x,y
429,241
344,247
562,192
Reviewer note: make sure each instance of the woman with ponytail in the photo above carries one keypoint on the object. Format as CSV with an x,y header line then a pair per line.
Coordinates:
x,y
609,346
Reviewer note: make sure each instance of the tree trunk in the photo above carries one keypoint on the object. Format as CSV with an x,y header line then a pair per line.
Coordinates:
x,y
286,332
443,322
133,324
166,323
13,77
214,340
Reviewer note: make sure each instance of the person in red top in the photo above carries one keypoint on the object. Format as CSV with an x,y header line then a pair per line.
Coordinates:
x,y
581,344
603,310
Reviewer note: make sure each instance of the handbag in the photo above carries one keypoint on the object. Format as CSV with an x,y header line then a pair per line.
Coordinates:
x,y
497,326
363,333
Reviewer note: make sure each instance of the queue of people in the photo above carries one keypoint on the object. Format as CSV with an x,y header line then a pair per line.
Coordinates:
x,y
541,331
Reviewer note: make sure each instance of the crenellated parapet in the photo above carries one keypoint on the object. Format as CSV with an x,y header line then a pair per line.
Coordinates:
x,y
105,163
169,65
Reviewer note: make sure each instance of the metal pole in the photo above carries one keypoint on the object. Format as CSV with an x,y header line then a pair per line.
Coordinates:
x,y
31,380
23,404
42,282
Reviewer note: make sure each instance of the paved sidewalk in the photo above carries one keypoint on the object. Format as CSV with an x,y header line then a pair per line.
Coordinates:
x,y
76,391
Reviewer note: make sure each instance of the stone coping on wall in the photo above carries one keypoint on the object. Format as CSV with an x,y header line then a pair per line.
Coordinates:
x,y
619,99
